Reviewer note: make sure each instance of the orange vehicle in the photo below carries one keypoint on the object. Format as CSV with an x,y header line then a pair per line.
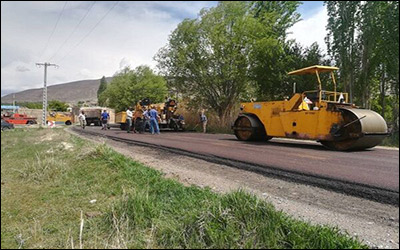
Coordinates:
x,y
66,118
17,118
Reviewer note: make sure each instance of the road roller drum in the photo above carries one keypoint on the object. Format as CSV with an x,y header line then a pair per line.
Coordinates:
x,y
362,129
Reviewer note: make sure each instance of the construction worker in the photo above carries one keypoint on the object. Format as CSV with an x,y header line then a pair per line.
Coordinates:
x,y
146,119
129,116
154,117
104,119
82,119
203,119
341,98
305,104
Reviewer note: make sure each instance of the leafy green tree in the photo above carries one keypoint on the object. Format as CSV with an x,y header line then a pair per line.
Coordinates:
x,y
272,57
130,86
30,105
281,14
297,57
102,87
220,57
363,39
51,105
57,105
342,25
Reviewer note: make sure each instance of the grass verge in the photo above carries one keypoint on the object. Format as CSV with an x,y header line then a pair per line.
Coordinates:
x,y
49,178
392,140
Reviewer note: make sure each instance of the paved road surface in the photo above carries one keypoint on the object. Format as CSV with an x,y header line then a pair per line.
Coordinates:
x,y
376,167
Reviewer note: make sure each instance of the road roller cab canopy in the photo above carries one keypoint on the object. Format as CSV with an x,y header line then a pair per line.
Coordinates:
x,y
312,70
322,94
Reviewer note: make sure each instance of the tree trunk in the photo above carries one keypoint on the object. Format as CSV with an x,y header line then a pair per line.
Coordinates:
x,y
395,112
225,115
383,90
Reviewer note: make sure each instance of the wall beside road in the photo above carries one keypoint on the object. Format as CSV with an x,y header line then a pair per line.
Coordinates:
x,y
33,113
38,114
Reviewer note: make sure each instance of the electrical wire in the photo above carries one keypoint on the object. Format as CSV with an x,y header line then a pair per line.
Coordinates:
x,y
70,35
54,29
94,27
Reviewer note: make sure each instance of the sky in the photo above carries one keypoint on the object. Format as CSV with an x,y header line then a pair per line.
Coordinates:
x,y
91,39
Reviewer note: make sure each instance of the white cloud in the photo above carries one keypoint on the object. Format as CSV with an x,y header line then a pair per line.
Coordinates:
x,y
22,68
312,29
131,34
85,73
125,62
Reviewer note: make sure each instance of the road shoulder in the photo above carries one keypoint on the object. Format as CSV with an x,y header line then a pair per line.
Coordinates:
x,y
376,224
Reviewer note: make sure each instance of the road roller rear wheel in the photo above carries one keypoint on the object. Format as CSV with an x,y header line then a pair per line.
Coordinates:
x,y
248,128
245,133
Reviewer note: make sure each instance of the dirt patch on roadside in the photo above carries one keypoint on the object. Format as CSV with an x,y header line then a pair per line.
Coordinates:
x,y
376,224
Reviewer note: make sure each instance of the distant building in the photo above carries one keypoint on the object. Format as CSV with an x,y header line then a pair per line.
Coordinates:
x,y
8,108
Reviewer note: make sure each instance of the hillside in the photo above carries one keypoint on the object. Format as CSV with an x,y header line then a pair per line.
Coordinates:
x,y
71,92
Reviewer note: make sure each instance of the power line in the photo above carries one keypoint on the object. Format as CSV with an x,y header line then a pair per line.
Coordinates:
x,y
94,27
54,29
76,27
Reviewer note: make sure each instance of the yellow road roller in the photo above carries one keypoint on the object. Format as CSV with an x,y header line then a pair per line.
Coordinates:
x,y
324,116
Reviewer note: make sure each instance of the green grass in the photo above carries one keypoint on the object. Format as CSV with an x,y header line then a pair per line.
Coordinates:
x,y
392,140
49,177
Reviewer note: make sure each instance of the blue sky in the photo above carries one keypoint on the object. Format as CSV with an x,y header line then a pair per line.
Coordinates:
x,y
131,33
309,8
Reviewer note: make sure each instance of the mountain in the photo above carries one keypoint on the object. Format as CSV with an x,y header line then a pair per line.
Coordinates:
x,y
70,92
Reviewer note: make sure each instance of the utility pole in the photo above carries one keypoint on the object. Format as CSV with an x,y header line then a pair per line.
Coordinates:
x,y
13,103
44,111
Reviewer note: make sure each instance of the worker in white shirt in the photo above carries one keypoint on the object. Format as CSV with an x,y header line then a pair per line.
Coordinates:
x,y
129,116
82,119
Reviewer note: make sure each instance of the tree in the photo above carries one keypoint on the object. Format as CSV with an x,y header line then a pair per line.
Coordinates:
x,y
130,86
282,15
297,57
102,87
58,105
340,40
272,58
363,39
30,105
218,58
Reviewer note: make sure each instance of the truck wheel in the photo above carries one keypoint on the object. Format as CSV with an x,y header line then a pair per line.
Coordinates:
x,y
68,123
175,126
